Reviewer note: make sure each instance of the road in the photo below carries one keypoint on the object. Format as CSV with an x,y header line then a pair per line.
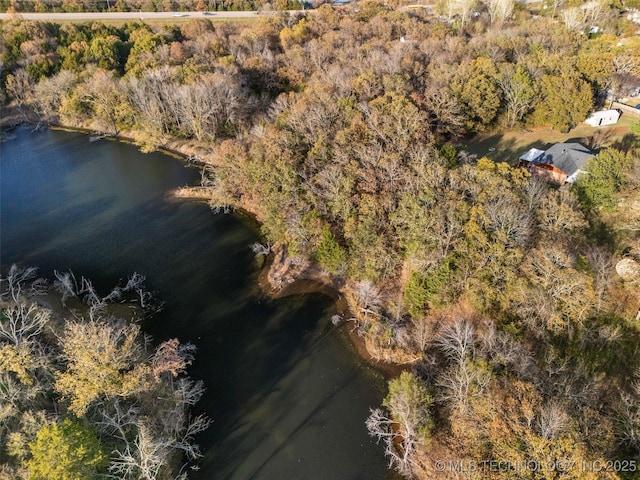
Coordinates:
x,y
125,15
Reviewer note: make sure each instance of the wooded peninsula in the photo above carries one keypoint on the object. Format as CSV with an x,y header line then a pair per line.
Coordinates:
x,y
510,301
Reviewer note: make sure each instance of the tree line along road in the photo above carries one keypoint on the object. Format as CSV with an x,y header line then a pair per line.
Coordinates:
x,y
126,15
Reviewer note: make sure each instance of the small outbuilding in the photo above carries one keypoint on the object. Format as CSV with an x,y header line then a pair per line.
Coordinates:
x,y
603,117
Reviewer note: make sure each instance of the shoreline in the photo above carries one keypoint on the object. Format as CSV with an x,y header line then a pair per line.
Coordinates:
x,y
309,279
306,286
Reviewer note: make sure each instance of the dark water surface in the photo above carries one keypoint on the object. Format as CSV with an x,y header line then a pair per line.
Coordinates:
x,y
287,394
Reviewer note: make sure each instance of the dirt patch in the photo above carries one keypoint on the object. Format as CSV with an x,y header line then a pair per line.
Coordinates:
x,y
284,271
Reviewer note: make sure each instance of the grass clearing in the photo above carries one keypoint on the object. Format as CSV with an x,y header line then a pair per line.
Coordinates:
x,y
508,146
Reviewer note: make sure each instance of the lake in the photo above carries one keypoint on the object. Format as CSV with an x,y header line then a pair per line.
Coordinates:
x,y
287,393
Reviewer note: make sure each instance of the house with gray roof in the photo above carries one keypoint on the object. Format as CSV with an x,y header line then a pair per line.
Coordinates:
x,y
562,163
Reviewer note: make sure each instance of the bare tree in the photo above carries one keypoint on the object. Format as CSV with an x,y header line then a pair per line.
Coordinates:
x,y
209,105
569,380
19,87
188,391
628,420
500,10
550,269
458,384
500,348
134,282
105,94
509,221
119,421
12,396
535,308
367,297
556,5
49,93
97,305
151,453
422,333
66,284
408,426
261,248
626,64
22,322
153,96
21,281
185,441
573,18
535,191
552,421
465,7
601,262
519,90
446,111
141,459
382,427
457,341
592,11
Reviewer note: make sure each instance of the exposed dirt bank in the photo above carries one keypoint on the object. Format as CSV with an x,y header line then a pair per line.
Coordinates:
x,y
284,275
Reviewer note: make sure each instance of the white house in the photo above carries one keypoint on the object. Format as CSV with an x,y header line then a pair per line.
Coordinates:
x,y
603,117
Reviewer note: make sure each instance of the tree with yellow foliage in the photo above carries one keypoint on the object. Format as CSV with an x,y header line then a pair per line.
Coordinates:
x,y
103,362
68,450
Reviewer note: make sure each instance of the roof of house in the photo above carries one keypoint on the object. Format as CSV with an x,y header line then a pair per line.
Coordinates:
x,y
532,155
568,157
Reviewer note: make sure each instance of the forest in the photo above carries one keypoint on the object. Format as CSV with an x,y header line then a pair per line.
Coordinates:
x,y
510,303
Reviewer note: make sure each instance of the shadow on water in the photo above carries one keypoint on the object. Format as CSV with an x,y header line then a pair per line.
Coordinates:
x,y
310,419
304,403
264,369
